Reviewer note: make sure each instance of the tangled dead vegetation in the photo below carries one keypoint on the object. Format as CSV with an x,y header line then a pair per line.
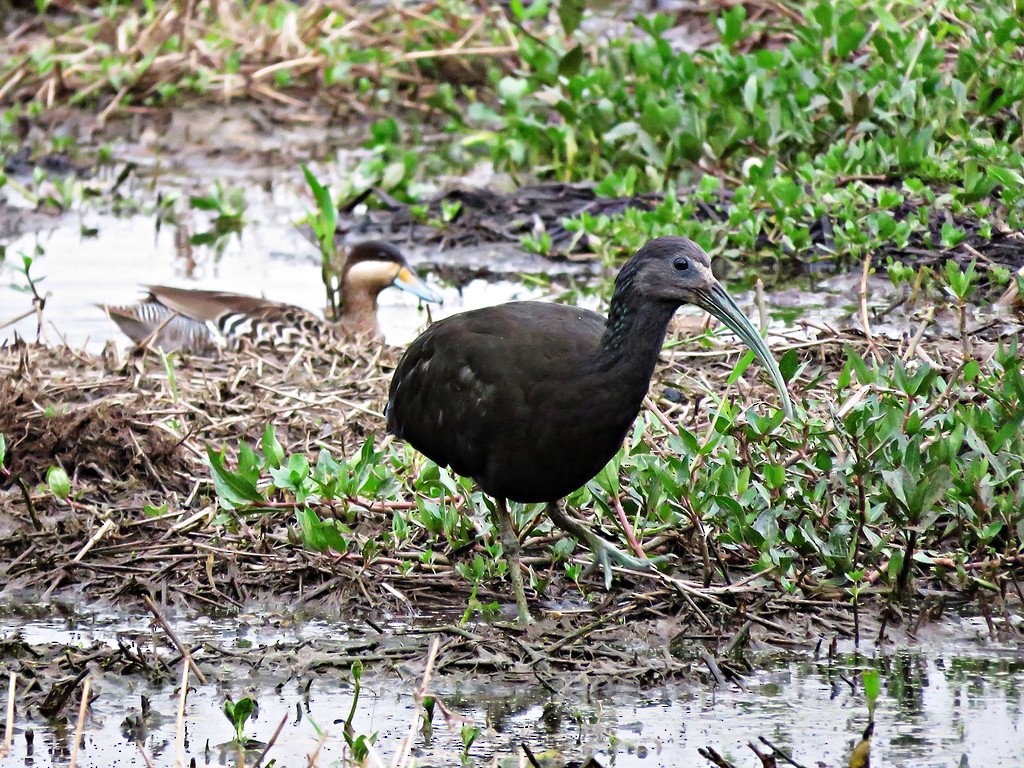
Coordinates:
x,y
131,435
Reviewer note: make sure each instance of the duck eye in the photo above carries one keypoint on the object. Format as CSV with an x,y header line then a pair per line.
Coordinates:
x,y
681,263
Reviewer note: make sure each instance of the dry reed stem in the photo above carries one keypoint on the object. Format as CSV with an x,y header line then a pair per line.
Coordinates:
x,y
273,740
80,725
863,296
104,529
9,723
179,732
404,754
174,638
142,752
315,754
762,306
916,340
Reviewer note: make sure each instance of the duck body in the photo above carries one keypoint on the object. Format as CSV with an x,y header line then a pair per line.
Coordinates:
x,y
460,399
199,320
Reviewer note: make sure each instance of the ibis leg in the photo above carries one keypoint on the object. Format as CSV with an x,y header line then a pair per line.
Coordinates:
x,y
605,552
510,546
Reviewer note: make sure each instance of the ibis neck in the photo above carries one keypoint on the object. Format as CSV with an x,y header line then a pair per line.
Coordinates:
x,y
633,336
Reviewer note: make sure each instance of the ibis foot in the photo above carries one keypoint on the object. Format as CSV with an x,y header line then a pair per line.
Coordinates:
x,y
605,553
510,546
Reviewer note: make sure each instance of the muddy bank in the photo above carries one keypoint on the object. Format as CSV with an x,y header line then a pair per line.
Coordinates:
x,y
143,520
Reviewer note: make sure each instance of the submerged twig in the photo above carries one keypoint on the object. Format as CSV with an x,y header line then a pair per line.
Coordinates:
x,y
405,748
173,638
273,740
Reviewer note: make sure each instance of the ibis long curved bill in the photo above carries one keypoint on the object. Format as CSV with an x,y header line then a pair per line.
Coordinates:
x,y
716,301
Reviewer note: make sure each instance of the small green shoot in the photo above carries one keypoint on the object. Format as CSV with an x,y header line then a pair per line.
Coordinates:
x,y
58,483
872,688
167,361
468,734
358,743
324,223
238,713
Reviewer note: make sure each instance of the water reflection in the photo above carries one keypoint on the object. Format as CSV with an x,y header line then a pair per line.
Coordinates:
x,y
943,703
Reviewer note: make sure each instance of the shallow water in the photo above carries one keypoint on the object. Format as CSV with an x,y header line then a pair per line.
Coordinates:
x,y
955,699
271,259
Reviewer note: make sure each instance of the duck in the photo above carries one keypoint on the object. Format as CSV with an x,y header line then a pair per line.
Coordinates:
x,y
194,320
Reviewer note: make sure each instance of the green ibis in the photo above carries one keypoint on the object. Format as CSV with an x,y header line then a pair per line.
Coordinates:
x,y
532,399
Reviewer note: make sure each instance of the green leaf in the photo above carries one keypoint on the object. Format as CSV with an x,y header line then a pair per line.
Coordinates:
x,y
933,486
233,489
895,565
243,709
325,221
1006,176
848,38
730,25
570,13
312,530
58,482
750,93
152,511
741,366
789,364
273,453
774,476
292,476
608,477
823,15
248,462
203,203
237,713
569,64
512,89
872,689
393,175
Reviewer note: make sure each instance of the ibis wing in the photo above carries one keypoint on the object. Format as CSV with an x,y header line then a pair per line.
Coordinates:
x,y
466,388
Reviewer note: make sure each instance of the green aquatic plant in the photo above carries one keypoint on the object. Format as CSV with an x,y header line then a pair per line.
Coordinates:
x,y
238,714
892,470
227,208
324,222
359,743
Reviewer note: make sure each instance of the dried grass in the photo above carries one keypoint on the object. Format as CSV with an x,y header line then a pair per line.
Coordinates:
x,y
279,52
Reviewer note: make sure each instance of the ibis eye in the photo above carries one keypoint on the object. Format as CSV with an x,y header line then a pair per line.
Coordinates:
x,y
681,263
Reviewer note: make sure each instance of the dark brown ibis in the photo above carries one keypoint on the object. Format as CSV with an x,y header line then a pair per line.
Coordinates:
x,y
532,399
